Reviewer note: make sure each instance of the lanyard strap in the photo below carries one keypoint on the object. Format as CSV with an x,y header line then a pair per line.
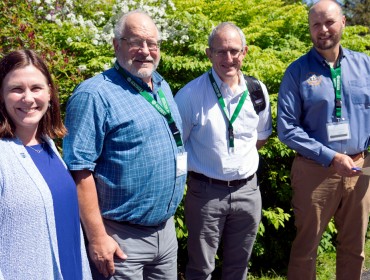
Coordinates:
x,y
224,109
163,109
337,83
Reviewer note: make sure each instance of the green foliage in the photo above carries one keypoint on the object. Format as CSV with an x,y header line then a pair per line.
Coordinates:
x,y
325,266
181,230
357,12
328,239
275,217
75,38
357,38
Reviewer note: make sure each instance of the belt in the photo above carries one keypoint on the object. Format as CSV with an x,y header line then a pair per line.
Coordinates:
x,y
355,157
136,225
206,179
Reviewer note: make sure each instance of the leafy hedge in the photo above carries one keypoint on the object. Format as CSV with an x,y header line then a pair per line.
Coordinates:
x,y
74,37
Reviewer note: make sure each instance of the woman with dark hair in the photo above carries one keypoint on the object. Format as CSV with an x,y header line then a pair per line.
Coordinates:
x,y
40,232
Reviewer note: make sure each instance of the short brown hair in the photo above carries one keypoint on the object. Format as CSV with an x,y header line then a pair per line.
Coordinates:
x,y
51,123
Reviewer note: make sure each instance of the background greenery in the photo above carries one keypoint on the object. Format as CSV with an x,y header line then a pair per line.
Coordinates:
x,y
74,37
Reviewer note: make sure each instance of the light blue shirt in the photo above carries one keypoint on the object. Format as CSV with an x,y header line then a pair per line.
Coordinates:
x,y
306,104
116,133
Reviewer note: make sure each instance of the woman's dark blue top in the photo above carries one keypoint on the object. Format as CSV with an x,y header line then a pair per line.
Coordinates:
x,y
67,219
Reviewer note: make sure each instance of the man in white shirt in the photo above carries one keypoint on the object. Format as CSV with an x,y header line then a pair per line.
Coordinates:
x,y
222,133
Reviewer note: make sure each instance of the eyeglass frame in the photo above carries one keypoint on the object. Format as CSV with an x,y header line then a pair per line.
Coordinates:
x,y
141,46
224,53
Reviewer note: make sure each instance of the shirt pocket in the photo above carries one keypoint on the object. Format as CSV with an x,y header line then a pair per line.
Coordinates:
x,y
360,92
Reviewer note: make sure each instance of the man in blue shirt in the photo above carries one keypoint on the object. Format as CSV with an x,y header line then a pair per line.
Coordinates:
x,y
324,115
125,152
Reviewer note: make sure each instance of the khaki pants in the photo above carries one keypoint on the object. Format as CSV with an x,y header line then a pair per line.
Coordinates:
x,y
319,194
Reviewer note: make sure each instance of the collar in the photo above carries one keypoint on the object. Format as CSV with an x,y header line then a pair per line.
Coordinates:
x,y
241,86
156,79
322,60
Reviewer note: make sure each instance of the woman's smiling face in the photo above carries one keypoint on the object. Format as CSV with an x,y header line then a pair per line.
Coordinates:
x,y
26,97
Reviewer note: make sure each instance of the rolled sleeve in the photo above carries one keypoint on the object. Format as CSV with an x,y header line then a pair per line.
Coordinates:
x,y
85,119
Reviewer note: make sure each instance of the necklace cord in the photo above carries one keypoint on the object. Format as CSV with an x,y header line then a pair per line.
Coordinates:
x,y
37,151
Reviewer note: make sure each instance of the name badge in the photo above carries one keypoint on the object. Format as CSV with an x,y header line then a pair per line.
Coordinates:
x,y
181,164
231,163
338,131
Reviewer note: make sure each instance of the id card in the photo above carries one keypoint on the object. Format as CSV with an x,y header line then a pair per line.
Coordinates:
x,y
181,164
338,131
231,163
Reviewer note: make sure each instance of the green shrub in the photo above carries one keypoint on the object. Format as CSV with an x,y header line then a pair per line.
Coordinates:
x,y
75,37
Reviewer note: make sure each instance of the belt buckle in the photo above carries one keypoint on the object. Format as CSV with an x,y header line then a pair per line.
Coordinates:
x,y
228,183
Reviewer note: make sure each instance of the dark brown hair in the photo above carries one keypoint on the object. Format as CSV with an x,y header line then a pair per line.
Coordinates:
x,y
51,123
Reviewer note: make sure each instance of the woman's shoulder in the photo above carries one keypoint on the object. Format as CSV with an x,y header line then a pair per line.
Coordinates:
x,y
6,145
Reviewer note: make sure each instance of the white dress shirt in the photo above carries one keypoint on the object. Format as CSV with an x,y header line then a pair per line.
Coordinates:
x,y
205,129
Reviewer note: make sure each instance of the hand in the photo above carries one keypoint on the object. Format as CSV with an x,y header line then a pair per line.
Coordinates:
x,y
343,165
102,251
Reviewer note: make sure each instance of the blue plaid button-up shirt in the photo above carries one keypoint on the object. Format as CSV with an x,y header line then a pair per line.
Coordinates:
x,y
114,132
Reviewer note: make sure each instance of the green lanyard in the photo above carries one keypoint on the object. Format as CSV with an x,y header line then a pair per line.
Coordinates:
x,y
337,83
163,109
223,106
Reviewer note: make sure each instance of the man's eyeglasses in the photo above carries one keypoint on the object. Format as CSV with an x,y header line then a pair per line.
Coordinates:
x,y
137,44
234,53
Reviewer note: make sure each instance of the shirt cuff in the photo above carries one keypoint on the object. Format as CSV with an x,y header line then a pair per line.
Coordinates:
x,y
326,156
